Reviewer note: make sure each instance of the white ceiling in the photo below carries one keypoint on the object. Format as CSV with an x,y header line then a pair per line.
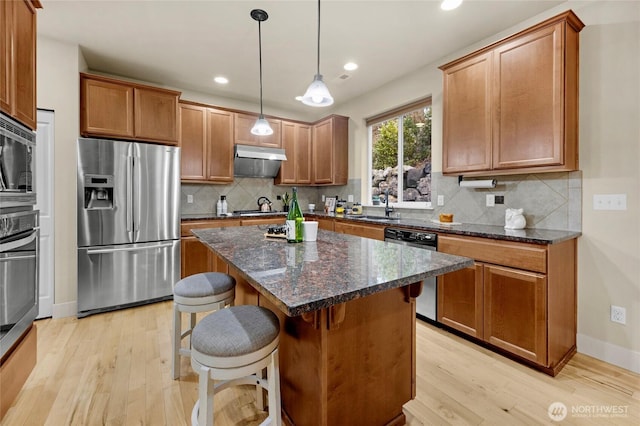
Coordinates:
x,y
184,44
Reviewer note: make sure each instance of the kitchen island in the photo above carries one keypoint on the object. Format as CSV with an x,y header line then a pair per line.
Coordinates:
x,y
347,311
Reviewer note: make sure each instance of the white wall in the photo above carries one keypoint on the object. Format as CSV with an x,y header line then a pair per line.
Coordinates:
x,y
609,250
58,90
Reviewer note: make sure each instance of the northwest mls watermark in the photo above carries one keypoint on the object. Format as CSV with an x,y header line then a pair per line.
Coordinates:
x,y
558,411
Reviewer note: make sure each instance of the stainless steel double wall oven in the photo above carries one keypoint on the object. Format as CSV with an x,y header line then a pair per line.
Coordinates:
x,y
19,233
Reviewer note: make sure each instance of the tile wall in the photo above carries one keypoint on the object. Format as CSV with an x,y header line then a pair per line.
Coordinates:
x,y
549,200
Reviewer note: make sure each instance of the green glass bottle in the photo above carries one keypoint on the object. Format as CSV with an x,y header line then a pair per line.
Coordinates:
x,y
294,219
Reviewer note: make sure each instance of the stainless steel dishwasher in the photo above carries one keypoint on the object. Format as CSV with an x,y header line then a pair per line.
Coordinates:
x,y
427,301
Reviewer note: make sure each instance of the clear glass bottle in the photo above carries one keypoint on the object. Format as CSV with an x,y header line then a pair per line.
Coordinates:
x,y
294,219
219,207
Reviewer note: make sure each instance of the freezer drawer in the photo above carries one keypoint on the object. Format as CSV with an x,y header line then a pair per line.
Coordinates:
x,y
112,277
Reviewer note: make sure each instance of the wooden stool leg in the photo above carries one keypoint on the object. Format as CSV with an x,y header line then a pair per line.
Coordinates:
x,y
205,395
177,338
273,378
192,324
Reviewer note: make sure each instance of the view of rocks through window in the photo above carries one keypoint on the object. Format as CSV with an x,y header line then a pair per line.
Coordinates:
x,y
410,182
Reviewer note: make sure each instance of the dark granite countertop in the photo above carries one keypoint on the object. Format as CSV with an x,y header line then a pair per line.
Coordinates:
x,y
212,216
308,276
533,236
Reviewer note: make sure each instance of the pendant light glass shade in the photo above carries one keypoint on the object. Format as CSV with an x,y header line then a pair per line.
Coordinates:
x,y
317,95
261,127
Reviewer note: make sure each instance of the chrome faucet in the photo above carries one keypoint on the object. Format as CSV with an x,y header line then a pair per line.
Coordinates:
x,y
387,209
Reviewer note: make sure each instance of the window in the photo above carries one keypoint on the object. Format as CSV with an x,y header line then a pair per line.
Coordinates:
x,y
400,155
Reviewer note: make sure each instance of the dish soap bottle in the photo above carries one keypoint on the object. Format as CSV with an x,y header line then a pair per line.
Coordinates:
x,y
224,205
219,206
294,219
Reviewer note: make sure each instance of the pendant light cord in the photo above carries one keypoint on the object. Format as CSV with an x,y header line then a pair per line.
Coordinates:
x,y
260,60
318,71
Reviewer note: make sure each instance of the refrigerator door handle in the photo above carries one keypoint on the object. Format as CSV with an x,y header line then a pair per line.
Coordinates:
x,y
129,210
114,250
136,191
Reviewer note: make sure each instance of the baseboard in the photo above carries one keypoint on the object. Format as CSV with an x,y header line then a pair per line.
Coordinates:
x,y
608,352
62,310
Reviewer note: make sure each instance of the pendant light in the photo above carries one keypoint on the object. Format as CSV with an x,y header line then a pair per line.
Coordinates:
x,y
262,127
317,94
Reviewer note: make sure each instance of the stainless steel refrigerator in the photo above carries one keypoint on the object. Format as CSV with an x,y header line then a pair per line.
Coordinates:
x,y
128,223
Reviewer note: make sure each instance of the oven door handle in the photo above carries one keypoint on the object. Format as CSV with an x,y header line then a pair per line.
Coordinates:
x,y
5,258
113,250
12,245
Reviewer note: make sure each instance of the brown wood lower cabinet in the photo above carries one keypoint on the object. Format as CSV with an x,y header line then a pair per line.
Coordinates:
x,y
195,257
375,232
520,298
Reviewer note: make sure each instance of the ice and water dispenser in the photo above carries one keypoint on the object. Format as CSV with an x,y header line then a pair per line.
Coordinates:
x,y
98,192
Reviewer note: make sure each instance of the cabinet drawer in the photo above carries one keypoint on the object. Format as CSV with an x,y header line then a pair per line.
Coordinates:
x,y
530,257
186,227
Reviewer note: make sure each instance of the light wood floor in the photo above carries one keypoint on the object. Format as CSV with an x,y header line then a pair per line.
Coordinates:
x,y
114,369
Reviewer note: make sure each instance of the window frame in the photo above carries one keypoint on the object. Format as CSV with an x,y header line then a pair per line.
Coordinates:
x,y
397,114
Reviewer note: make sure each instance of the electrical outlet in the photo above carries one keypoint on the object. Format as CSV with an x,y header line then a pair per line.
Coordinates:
x,y
491,200
323,198
189,198
441,200
618,314
350,198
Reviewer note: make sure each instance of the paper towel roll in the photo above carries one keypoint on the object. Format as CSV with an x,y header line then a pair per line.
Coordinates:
x,y
486,183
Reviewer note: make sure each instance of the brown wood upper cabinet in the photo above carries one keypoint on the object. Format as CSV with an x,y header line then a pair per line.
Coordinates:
x,y
296,141
124,110
330,151
512,107
18,60
518,297
243,135
206,140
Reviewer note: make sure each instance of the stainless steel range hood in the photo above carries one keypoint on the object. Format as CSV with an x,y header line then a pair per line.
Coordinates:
x,y
257,161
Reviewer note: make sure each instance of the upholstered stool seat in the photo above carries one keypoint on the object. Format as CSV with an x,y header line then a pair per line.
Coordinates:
x,y
234,346
209,291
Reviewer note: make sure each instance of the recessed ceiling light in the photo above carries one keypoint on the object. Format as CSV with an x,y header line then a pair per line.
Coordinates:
x,y
450,4
350,66
221,80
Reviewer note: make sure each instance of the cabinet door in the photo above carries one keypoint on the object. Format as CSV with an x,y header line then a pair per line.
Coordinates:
x,y
467,115
6,69
460,300
529,87
196,257
24,62
303,154
156,115
287,172
263,221
243,135
193,139
296,141
366,231
323,152
106,109
515,313
219,145
326,224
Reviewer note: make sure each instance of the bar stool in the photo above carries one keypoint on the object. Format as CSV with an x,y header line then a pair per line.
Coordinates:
x,y
209,291
234,346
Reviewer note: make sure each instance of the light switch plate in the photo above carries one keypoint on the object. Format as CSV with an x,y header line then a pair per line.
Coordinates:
x,y
610,201
350,198
491,200
189,198
441,200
